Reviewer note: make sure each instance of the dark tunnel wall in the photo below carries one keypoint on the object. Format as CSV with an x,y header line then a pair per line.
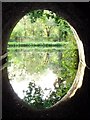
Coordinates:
x,y
75,108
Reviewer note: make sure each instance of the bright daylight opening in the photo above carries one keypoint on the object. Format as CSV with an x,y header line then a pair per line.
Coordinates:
x,y
42,58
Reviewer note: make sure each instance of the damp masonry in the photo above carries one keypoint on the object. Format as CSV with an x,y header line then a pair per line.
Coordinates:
x,y
74,104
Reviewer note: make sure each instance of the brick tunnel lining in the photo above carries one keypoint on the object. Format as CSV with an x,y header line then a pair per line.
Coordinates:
x,y
12,105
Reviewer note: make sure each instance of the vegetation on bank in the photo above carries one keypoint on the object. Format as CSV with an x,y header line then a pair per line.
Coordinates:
x,y
42,40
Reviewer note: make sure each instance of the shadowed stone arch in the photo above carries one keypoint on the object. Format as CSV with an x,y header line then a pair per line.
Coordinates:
x,y
69,107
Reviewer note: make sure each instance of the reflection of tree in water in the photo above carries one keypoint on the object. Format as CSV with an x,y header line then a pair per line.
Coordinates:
x,y
46,57
37,62
45,26
35,95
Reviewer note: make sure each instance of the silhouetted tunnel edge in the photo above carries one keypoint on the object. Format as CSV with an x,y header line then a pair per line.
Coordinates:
x,y
68,104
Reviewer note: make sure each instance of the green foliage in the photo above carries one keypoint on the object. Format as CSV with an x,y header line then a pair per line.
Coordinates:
x,y
39,41
34,15
41,25
34,96
36,44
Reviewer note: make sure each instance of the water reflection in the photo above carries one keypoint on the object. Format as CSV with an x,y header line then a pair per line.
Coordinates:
x,y
42,68
41,75
45,81
42,58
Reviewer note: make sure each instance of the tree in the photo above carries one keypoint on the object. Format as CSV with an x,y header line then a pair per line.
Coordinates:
x,y
43,26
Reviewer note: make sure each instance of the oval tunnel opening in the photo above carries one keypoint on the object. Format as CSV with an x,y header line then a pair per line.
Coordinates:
x,y
43,59
62,104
